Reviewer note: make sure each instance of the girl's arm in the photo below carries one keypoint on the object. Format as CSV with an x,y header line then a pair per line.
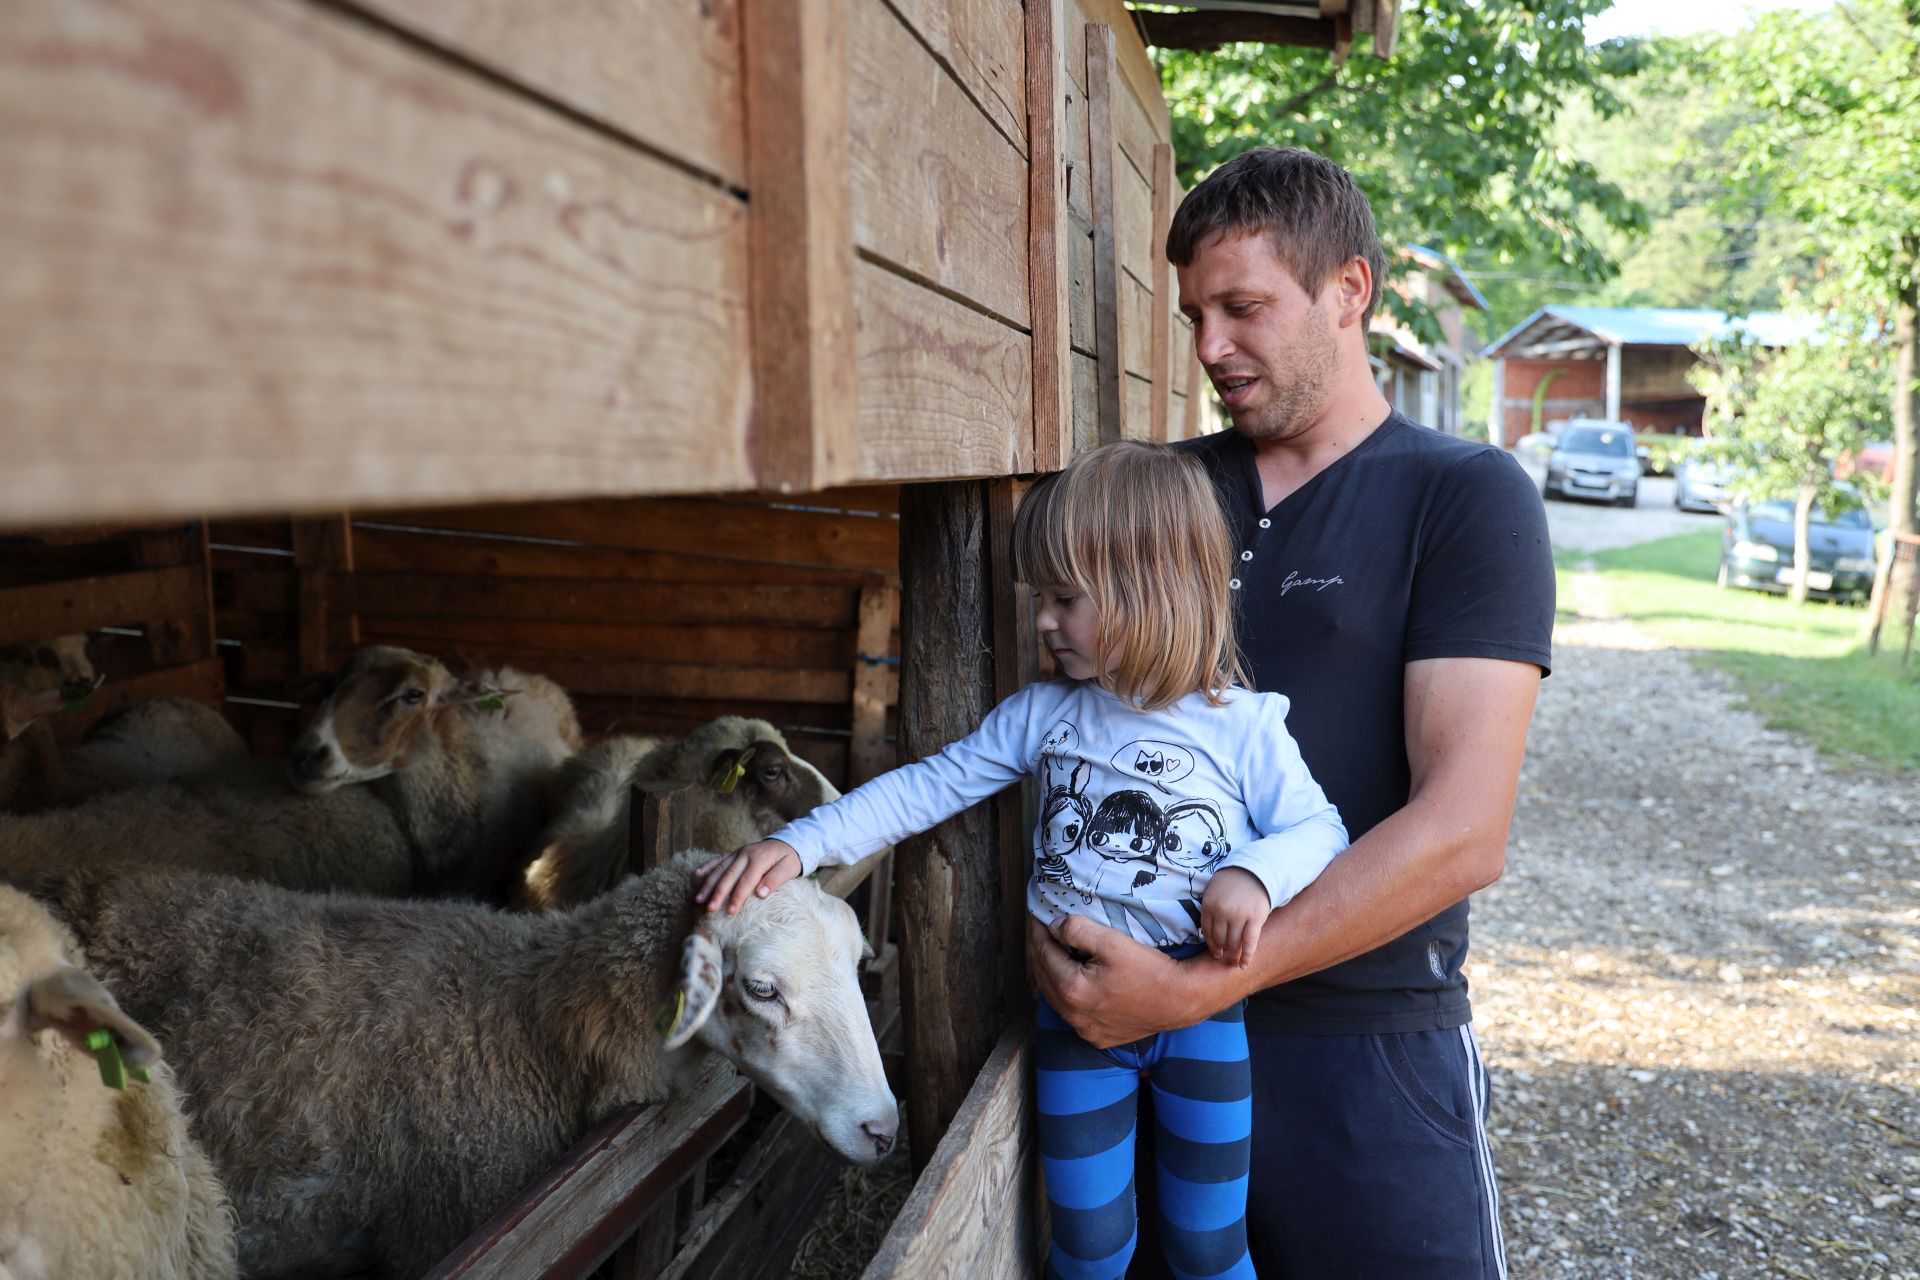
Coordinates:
x,y
1301,831
892,806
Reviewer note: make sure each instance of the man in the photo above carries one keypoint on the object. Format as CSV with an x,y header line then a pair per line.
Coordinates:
x,y
1397,586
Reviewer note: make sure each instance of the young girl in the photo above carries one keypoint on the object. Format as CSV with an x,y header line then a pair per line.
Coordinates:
x,y
1174,807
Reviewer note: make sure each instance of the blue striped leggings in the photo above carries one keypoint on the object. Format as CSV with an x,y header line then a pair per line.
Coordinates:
x,y
1203,1125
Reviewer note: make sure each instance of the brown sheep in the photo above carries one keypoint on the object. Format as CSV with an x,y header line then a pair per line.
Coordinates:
x,y
747,784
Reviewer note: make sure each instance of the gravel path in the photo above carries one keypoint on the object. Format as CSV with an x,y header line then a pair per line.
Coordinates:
x,y
1698,986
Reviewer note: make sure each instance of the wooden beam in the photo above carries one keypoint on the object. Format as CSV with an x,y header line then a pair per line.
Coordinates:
x,y
1210,28
1386,27
185,632
871,755
1109,361
948,879
1049,252
32,613
572,1219
1163,287
974,1208
322,554
800,243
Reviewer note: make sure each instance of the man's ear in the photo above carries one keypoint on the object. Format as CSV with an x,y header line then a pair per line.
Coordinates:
x,y
1353,289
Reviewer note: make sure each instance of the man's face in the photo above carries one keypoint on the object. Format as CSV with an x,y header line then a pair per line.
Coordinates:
x,y
1269,348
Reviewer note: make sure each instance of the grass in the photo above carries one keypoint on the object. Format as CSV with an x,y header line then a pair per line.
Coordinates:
x,y
1804,668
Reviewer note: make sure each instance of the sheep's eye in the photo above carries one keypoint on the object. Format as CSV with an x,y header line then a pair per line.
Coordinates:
x,y
772,773
759,990
414,697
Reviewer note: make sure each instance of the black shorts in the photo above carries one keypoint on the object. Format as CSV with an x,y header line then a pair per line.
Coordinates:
x,y
1370,1161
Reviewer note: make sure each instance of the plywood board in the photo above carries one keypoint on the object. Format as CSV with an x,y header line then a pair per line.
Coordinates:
x,y
686,101
937,190
311,268
944,390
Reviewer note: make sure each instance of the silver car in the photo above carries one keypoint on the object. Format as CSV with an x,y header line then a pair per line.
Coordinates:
x,y
1594,459
1699,485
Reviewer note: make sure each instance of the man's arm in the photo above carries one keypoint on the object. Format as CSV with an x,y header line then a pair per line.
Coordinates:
x,y
1466,732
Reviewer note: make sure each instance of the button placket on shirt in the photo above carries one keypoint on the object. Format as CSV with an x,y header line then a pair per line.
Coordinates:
x,y
1246,554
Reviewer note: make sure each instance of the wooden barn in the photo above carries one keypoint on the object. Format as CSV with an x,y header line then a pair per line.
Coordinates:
x,y
694,355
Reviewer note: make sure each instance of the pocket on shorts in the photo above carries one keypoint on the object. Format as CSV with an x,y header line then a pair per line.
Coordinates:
x,y
1430,1100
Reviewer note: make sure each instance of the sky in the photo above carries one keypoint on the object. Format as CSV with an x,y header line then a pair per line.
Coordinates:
x,y
1683,17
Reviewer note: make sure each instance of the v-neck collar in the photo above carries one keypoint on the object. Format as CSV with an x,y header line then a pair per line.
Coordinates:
x,y
1250,466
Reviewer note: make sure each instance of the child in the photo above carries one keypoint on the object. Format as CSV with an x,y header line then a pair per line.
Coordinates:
x,y
1174,807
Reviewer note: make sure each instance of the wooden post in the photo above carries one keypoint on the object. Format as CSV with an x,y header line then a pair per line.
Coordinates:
x,y
1016,662
949,879
1163,289
183,632
869,755
322,553
800,243
1048,249
1109,357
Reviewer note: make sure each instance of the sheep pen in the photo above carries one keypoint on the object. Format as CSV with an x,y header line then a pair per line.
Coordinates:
x,y
373,1078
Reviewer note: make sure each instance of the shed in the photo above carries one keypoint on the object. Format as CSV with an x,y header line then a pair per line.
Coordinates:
x,y
692,354
1623,364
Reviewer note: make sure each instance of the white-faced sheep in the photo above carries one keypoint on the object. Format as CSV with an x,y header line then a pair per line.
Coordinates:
x,y
746,784
456,792
372,1079
152,741
93,1181
48,664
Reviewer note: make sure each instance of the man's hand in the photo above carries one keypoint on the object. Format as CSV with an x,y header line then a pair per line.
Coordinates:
x,y
1122,991
754,869
1233,910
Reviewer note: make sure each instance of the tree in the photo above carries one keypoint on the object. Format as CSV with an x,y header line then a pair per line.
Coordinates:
x,y
1452,138
1834,142
1782,418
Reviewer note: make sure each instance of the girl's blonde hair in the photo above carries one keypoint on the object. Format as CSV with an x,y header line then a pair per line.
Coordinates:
x,y
1137,527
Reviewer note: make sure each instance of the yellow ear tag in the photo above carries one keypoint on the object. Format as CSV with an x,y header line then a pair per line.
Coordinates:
x,y
666,1019
727,777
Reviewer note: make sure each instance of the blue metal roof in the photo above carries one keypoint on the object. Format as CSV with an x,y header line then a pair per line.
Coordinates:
x,y
1436,260
1664,326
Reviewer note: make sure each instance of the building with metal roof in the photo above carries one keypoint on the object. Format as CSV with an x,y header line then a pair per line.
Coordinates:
x,y
1624,364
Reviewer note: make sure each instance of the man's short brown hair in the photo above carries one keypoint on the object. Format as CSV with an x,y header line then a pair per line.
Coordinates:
x,y
1307,206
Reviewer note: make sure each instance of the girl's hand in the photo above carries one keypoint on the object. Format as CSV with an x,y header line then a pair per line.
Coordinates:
x,y
1232,912
758,869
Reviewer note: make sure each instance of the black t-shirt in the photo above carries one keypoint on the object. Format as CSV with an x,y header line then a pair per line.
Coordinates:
x,y
1414,545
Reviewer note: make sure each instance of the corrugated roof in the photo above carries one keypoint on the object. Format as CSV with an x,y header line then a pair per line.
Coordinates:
x,y
1659,326
1457,283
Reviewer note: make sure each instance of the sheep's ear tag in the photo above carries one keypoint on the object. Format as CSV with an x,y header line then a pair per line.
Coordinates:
x,y
492,702
75,693
728,776
671,1013
113,1070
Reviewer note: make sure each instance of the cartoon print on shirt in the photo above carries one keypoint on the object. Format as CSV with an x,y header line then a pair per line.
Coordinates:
x,y
1126,832
1061,742
1064,816
1156,762
1195,843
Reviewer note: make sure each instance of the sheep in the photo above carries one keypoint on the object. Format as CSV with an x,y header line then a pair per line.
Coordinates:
x,y
61,660
453,790
93,1181
373,1079
152,741
747,785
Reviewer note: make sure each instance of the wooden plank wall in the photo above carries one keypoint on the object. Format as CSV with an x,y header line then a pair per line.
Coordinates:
x,y
143,594
656,614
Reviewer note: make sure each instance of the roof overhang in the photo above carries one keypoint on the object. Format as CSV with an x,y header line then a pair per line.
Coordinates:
x,y
1312,24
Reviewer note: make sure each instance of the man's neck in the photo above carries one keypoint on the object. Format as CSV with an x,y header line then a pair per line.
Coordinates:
x,y
1355,413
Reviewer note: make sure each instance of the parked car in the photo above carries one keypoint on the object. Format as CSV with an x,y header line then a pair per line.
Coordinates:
x,y
1594,459
1699,485
1756,550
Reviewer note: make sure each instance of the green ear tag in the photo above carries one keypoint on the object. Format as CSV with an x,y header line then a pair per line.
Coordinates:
x,y
75,693
492,702
666,1019
113,1069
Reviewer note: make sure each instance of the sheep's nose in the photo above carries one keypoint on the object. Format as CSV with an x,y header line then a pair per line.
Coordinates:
x,y
311,763
882,1133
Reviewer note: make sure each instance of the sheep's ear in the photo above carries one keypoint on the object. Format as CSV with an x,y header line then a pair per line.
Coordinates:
x,y
729,767
474,693
702,970
73,1002
19,709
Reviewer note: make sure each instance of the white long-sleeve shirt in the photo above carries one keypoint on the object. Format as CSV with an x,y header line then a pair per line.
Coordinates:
x,y
1137,810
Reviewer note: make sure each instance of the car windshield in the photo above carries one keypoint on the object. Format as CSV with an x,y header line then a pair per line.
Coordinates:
x,y
1846,518
1609,440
